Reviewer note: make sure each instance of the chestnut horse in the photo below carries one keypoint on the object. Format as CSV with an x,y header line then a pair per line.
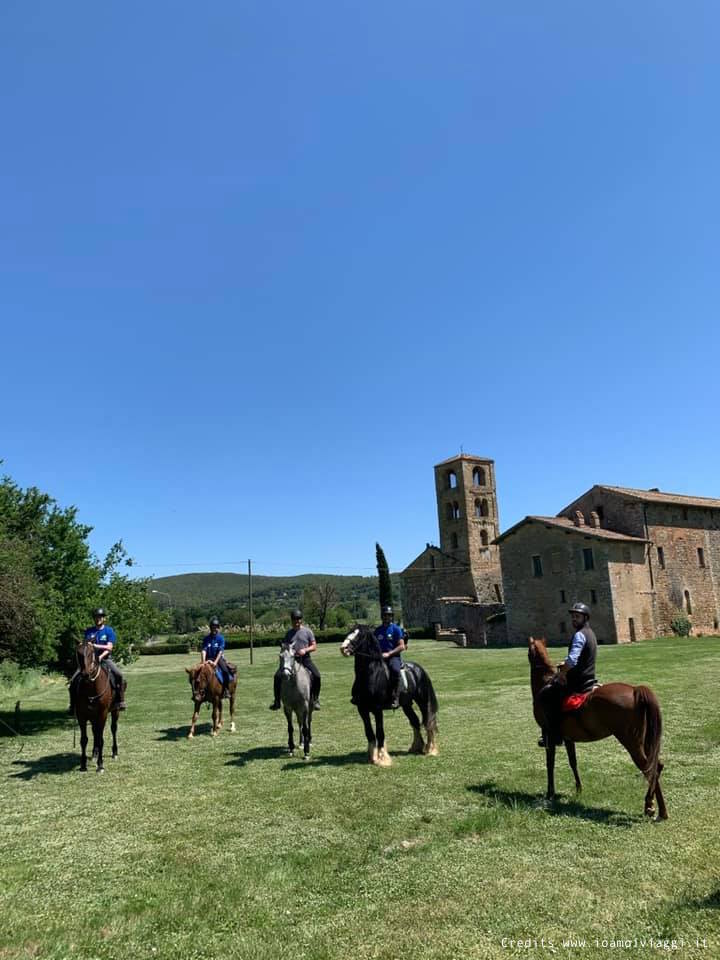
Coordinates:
x,y
93,701
206,688
630,714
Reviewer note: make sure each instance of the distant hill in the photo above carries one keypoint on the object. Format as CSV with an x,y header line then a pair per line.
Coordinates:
x,y
231,589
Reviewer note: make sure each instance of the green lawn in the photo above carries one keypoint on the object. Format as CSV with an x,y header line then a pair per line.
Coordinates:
x,y
228,848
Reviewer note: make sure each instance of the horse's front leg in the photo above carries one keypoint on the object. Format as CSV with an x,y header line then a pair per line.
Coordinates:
x,y
113,728
370,735
550,766
383,757
196,711
98,743
83,745
220,710
214,730
291,731
572,759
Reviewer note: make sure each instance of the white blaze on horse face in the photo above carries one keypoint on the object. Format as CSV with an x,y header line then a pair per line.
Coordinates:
x,y
345,645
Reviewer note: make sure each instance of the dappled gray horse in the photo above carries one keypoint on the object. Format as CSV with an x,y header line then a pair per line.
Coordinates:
x,y
295,695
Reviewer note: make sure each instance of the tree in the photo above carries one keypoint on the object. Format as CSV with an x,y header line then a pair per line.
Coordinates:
x,y
384,582
319,600
50,581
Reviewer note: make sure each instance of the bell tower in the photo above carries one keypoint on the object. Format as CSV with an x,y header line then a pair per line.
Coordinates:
x,y
468,518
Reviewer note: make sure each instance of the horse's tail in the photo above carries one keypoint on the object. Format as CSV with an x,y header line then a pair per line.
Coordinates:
x,y
427,701
647,703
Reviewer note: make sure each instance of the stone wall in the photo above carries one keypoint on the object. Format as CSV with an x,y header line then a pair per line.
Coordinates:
x,y
482,624
539,605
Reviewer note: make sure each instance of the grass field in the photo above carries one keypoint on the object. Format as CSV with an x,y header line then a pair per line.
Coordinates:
x,y
228,848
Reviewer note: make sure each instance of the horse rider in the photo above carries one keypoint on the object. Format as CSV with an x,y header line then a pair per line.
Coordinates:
x,y
213,652
575,674
391,638
301,640
103,639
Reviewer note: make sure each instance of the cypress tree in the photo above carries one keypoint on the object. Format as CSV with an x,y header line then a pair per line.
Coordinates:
x,y
384,582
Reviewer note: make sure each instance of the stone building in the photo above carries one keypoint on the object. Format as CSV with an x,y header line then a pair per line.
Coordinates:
x,y
638,558
458,584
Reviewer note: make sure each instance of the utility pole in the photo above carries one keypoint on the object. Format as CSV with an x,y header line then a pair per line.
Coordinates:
x,y
251,610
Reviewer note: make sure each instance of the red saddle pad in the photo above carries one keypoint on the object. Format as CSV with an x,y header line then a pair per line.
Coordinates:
x,y
574,701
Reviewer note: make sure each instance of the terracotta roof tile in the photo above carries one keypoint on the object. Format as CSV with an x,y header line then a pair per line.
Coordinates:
x,y
659,496
563,523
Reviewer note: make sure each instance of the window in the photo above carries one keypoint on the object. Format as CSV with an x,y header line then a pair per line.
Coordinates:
x,y
588,560
456,510
484,512
537,566
593,596
498,594
688,604
701,556
484,537
478,508
451,480
479,477
631,626
601,513
562,597
432,561
454,541
661,558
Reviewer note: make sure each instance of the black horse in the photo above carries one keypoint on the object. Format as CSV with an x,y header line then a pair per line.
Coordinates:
x,y
371,692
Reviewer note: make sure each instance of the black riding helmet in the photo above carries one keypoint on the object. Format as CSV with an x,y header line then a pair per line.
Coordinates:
x,y
214,622
296,614
98,612
387,610
580,608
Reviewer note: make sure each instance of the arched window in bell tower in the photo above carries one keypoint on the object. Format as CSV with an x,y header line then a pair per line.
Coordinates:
x,y
451,479
484,509
484,537
478,477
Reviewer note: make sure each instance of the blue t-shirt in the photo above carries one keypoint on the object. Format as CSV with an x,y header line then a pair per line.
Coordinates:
x,y
101,635
213,645
389,637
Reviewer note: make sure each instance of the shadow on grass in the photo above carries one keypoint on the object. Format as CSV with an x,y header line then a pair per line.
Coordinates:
x,y
556,808
331,760
180,733
710,902
56,763
26,723
257,753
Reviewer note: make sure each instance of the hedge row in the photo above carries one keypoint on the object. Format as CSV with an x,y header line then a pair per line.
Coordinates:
x,y
241,641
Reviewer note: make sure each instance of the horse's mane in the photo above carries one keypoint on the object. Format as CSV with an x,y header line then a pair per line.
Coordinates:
x,y
538,654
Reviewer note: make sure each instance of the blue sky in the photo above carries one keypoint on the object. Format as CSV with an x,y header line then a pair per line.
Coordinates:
x,y
263,264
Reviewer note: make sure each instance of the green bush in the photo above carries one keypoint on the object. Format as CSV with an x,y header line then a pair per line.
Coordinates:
x,y
681,625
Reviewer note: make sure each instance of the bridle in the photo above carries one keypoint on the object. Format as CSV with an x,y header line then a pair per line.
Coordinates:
x,y
85,674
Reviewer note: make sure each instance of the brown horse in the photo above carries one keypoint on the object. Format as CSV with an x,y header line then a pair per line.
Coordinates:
x,y
630,714
93,701
206,688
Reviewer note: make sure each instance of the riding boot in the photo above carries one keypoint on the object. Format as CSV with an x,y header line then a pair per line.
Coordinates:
x,y
275,705
120,695
394,697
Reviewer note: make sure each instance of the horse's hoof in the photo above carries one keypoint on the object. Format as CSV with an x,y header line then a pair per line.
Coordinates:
x,y
232,728
384,759
83,769
191,736
101,769
431,750
114,757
